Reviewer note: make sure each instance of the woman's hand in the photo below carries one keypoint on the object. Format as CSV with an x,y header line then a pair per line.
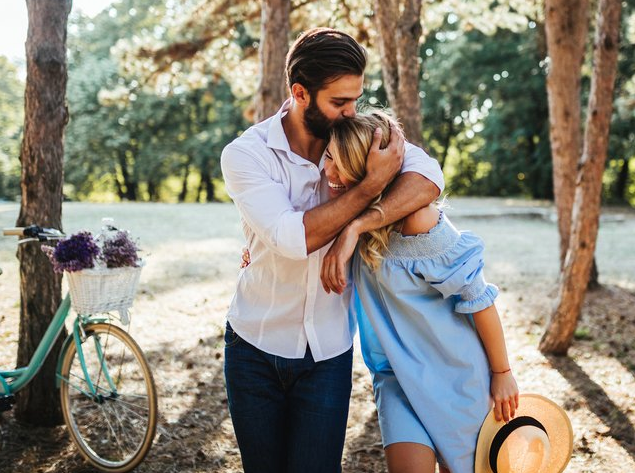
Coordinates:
x,y
333,272
246,258
505,393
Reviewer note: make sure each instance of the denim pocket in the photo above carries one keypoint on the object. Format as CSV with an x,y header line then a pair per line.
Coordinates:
x,y
231,337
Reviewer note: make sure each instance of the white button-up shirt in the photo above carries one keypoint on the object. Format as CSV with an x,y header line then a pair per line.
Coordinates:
x,y
280,304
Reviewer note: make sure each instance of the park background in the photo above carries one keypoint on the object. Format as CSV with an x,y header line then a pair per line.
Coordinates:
x,y
156,89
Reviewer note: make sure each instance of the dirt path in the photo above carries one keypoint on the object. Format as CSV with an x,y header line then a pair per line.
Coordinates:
x,y
188,282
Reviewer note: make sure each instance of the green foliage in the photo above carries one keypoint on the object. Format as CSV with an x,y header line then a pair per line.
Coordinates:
x,y
583,333
157,89
129,139
11,122
485,111
619,177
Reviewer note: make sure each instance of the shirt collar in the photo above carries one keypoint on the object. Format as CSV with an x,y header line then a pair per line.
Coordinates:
x,y
276,138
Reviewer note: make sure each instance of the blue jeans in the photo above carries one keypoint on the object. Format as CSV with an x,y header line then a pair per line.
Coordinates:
x,y
289,415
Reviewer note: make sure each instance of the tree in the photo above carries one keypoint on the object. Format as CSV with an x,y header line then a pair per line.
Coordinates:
x,y
586,206
566,27
42,158
274,44
399,27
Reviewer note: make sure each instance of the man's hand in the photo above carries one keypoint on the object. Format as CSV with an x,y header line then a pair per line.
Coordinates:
x,y
382,165
333,273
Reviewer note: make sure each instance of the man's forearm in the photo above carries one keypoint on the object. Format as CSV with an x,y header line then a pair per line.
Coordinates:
x,y
409,193
323,223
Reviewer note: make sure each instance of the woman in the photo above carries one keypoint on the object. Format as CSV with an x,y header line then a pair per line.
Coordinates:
x,y
430,332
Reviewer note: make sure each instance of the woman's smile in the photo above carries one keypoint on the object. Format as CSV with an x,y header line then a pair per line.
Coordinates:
x,y
337,186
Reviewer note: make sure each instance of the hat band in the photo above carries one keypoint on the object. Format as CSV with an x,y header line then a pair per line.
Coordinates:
x,y
505,432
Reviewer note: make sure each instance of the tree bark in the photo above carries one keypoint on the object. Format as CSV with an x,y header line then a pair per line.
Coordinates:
x,y
128,181
586,207
210,194
206,185
118,185
274,44
566,29
153,190
186,175
42,158
446,142
399,27
622,180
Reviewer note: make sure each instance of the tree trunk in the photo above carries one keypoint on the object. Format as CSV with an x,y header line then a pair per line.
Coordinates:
x,y
129,183
199,190
186,175
594,277
206,185
446,143
622,180
209,189
118,185
42,158
566,28
153,191
399,27
274,44
586,208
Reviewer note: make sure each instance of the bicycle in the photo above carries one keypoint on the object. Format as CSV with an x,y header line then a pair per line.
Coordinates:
x,y
107,390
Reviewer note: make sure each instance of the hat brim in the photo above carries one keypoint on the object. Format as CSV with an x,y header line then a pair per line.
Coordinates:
x,y
549,414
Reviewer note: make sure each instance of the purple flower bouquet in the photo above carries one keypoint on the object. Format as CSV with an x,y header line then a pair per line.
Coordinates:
x,y
103,273
81,251
120,251
74,253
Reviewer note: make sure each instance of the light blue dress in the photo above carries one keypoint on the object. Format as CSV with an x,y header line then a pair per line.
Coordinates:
x,y
430,372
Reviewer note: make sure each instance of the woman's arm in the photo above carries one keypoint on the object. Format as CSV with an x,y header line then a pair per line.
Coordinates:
x,y
503,387
409,193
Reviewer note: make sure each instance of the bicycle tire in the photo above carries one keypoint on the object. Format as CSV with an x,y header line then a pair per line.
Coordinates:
x,y
102,427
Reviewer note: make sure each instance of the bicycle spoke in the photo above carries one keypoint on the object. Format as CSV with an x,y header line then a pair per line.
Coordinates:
x,y
124,433
132,411
117,427
112,430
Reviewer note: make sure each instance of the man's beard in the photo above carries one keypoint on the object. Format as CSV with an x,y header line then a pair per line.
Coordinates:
x,y
316,122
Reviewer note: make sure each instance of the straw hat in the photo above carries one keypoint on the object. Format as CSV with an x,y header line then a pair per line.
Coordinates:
x,y
539,439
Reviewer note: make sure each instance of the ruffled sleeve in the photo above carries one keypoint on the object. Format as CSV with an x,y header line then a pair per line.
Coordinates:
x,y
458,272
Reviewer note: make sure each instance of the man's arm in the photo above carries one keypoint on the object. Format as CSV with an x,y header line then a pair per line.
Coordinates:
x,y
265,205
324,222
410,192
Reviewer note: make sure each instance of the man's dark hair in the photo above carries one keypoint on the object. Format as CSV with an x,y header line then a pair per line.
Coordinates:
x,y
322,55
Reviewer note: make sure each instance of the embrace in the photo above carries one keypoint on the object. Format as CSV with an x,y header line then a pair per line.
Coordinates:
x,y
342,231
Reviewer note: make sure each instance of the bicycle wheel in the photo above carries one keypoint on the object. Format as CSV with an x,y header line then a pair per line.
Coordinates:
x,y
114,429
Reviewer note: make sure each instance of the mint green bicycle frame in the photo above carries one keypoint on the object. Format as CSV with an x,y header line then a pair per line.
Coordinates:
x,y
14,380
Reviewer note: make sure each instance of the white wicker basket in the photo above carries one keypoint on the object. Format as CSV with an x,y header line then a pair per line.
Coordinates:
x,y
104,289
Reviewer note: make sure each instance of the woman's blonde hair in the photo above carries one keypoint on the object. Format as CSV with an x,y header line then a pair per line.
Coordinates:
x,y
349,144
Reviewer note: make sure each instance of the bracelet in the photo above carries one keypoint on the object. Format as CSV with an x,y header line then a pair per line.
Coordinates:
x,y
501,372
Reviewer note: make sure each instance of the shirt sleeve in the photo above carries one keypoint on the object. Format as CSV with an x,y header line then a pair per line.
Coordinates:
x,y
417,160
263,202
458,273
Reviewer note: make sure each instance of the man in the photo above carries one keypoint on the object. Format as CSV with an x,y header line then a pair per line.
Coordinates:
x,y
288,354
